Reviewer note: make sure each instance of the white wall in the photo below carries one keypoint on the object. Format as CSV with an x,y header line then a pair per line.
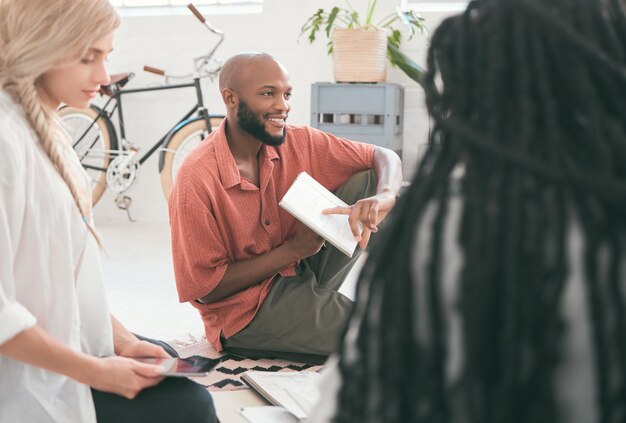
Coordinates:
x,y
171,42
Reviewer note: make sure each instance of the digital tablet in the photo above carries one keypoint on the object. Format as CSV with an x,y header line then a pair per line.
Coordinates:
x,y
182,367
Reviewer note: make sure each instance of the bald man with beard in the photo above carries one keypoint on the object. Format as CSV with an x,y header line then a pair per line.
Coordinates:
x,y
265,285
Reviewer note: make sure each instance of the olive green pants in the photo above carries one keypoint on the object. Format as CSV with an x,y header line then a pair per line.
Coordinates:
x,y
303,315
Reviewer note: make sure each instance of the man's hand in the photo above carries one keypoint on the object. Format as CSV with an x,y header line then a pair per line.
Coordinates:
x,y
305,242
368,212
243,274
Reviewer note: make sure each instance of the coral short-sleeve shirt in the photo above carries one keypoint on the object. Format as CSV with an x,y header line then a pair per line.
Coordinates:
x,y
218,218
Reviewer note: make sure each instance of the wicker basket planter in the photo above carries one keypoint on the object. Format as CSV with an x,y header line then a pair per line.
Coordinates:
x,y
360,55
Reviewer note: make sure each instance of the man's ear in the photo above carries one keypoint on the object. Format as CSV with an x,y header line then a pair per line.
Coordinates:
x,y
230,98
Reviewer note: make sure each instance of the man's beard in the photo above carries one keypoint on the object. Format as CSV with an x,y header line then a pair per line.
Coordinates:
x,y
250,123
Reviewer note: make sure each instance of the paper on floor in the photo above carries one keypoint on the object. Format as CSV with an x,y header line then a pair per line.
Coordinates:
x,y
268,414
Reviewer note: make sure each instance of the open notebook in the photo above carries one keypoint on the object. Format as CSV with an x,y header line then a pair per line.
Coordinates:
x,y
297,392
305,200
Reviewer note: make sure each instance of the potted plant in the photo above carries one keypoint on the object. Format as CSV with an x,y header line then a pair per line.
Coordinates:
x,y
360,48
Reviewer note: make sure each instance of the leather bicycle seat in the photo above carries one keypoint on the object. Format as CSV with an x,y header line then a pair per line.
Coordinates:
x,y
119,80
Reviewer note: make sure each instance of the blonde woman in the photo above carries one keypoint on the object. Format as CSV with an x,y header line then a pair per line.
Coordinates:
x,y
57,337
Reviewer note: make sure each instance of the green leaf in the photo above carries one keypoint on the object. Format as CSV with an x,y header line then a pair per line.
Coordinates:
x,y
330,23
405,63
414,21
312,25
395,38
350,6
354,20
388,20
371,5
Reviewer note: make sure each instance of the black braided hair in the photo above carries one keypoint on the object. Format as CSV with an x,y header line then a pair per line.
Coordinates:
x,y
528,98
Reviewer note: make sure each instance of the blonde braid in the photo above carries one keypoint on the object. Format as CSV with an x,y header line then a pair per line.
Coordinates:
x,y
37,36
56,144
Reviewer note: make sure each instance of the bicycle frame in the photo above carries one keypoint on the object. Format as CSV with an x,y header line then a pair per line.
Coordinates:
x,y
117,160
117,96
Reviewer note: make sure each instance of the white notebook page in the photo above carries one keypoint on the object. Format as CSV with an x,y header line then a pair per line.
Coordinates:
x,y
306,198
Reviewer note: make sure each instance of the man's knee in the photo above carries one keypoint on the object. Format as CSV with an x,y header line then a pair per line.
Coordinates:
x,y
358,186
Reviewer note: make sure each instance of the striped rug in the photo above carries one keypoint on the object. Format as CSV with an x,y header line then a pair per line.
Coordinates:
x,y
226,376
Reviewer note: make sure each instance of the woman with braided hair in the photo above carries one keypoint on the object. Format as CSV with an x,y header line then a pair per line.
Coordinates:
x,y
497,291
63,356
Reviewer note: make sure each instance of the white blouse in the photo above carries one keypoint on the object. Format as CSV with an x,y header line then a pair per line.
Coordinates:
x,y
50,275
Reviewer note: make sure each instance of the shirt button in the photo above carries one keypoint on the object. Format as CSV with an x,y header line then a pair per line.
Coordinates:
x,y
267,222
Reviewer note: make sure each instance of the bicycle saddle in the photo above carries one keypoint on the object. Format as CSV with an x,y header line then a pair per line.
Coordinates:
x,y
119,80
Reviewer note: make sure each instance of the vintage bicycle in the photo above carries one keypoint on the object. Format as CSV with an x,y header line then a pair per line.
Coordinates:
x,y
110,159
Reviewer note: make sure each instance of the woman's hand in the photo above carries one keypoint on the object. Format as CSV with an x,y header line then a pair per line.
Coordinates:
x,y
127,345
122,376
139,348
118,375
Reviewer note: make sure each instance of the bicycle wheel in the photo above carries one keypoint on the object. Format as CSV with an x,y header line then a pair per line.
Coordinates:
x,y
93,145
180,143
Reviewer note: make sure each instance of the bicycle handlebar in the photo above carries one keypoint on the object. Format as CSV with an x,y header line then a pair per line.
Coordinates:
x,y
154,70
203,20
196,12
199,62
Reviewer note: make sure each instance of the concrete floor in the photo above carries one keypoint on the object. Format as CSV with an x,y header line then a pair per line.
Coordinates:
x,y
140,280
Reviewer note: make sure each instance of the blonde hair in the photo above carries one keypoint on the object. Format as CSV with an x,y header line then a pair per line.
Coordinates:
x,y
36,36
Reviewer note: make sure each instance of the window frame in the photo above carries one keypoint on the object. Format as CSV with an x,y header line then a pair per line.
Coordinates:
x,y
206,8
422,6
